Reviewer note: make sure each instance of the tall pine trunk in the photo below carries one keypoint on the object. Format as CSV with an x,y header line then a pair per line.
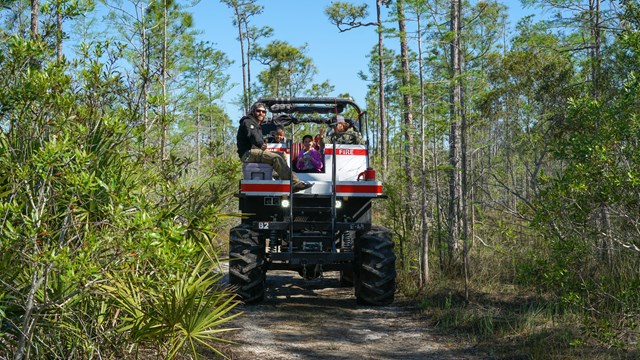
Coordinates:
x,y
163,119
244,61
59,30
407,113
35,11
424,239
407,102
198,125
249,95
465,194
383,122
455,109
145,82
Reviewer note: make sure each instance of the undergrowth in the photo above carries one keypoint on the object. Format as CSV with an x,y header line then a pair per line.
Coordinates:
x,y
508,319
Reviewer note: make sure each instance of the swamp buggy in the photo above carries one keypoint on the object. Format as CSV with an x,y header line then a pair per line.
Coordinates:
x,y
323,228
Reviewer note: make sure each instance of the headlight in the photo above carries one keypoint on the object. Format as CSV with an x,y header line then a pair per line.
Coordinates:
x,y
284,203
338,204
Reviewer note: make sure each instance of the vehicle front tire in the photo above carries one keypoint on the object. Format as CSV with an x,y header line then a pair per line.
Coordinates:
x,y
375,267
247,264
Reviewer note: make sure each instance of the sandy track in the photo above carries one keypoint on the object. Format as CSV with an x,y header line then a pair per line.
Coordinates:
x,y
318,319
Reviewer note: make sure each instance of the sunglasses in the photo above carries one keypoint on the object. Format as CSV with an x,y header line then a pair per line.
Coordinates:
x,y
261,111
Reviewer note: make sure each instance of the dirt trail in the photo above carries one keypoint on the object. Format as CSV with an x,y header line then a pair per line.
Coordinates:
x,y
318,319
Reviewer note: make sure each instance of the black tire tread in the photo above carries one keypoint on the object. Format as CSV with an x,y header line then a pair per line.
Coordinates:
x,y
375,280
246,266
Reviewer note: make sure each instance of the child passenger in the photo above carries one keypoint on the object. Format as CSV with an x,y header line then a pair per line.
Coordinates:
x,y
309,159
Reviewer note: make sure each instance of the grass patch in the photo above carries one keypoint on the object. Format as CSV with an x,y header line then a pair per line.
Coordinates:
x,y
514,324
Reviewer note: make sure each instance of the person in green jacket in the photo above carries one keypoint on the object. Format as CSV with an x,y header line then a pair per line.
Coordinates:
x,y
343,133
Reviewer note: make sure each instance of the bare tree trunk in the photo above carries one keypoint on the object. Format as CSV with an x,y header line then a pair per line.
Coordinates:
x,y
604,223
383,125
35,11
472,192
29,318
464,198
198,126
22,351
249,95
605,235
407,101
436,181
59,30
424,240
211,126
375,135
145,66
408,151
454,136
164,83
594,17
243,56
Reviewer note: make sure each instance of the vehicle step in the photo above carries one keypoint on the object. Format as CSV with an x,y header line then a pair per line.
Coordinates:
x,y
311,234
310,225
297,209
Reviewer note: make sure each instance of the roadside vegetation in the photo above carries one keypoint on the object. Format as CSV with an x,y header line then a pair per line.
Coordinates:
x,y
104,252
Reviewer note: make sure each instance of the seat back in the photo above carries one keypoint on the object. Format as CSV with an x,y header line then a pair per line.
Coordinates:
x,y
257,171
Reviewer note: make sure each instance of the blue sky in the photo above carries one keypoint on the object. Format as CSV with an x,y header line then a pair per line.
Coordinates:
x,y
338,56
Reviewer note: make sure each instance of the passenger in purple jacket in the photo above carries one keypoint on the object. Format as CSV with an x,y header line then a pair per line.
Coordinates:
x,y
309,159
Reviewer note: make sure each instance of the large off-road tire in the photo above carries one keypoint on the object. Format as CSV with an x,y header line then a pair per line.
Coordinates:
x,y
375,267
247,264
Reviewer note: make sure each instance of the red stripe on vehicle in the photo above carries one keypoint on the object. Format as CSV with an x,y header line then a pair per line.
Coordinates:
x,y
264,187
359,152
359,189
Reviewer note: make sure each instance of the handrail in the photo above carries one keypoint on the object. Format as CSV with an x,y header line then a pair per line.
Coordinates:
x,y
333,197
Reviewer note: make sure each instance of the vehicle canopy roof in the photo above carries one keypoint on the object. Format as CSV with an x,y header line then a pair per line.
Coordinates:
x,y
318,110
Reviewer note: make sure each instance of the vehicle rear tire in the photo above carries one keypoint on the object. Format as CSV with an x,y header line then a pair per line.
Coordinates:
x,y
375,267
247,264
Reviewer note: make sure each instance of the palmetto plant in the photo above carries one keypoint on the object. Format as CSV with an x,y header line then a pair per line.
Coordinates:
x,y
181,318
